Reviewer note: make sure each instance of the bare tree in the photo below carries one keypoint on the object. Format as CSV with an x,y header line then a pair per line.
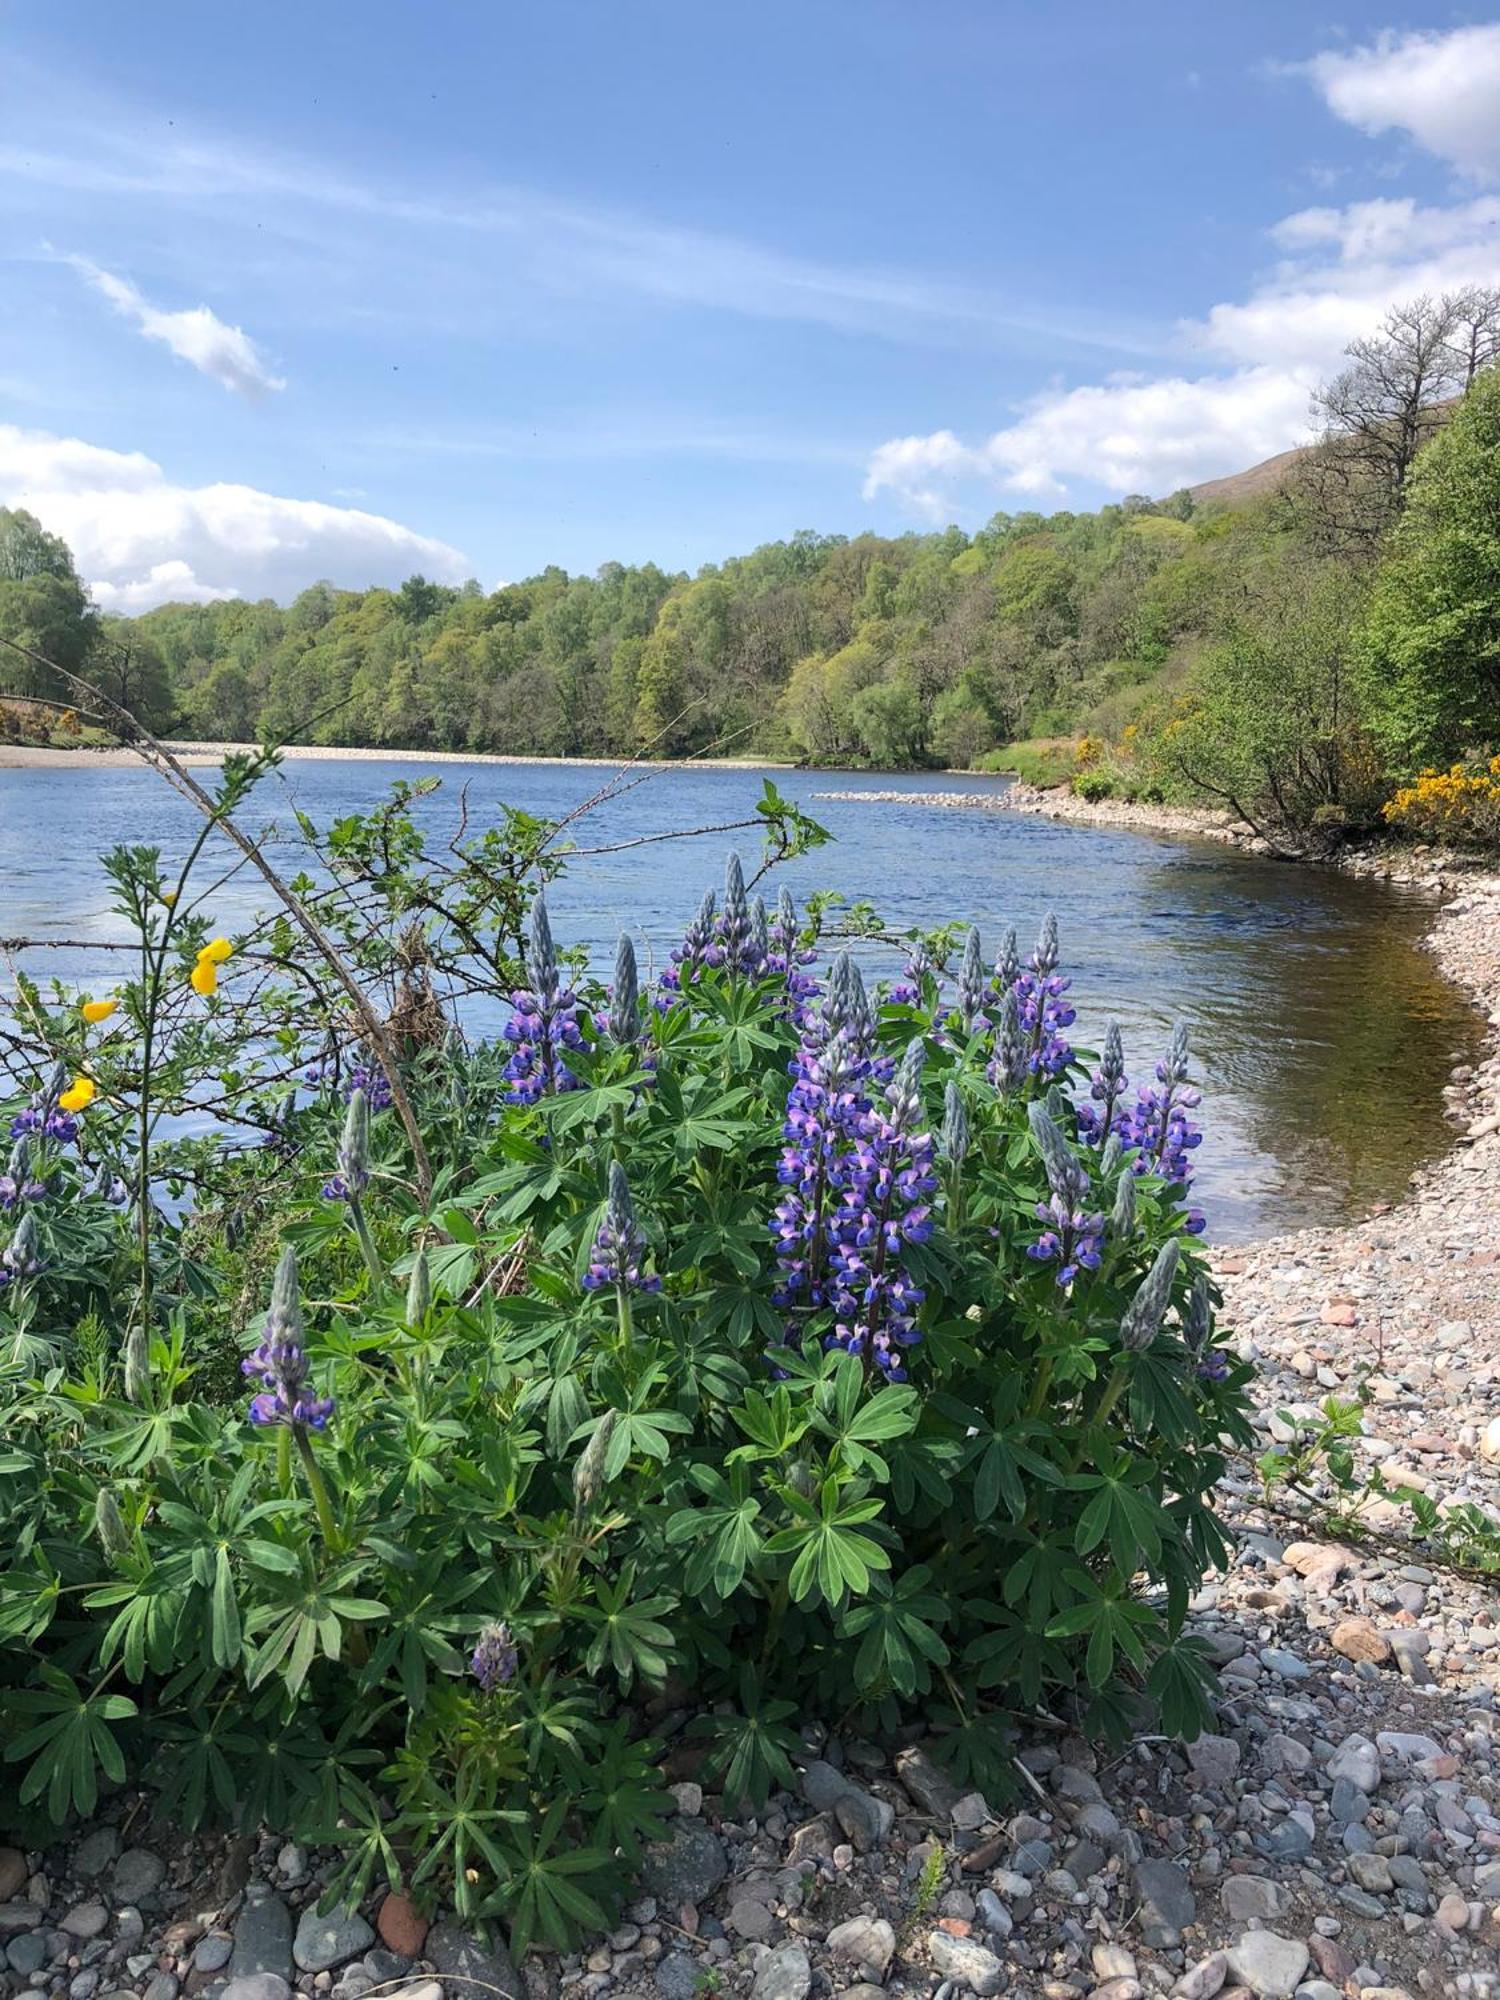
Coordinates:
x,y
1475,338
1378,412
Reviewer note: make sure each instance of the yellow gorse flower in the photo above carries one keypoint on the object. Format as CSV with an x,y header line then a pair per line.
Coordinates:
x,y
204,977
216,951
99,1010
79,1094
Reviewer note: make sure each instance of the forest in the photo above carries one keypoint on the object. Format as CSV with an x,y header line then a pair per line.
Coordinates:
x,y
1299,654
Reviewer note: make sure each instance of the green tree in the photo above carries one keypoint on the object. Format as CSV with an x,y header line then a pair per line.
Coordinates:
x,y
43,607
1432,646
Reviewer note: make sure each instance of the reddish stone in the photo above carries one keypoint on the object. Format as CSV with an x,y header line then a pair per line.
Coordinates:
x,y
401,1929
1331,1959
1339,1312
954,1926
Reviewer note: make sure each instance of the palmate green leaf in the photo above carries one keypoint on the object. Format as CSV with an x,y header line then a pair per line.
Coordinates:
x,y
1113,1621
750,1750
629,1634
539,1890
69,1745
627,1800
1180,1683
198,1765
833,1559
900,1640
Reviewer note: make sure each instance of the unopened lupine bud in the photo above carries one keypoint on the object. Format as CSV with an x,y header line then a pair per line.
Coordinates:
x,y
1111,1072
971,984
541,955
1057,1103
109,1524
955,1125
419,1291
57,1083
1010,1046
137,1369
588,1473
1065,1176
734,923
760,934
1147,1310
1122,1221
1044,958
786,918
1177,1063
625,996
354,1146
1113,1153
22,1257
905,1093
1008,964
1198,1318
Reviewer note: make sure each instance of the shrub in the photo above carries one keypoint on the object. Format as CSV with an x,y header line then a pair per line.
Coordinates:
x,y
767,1348
1460,804
1095,784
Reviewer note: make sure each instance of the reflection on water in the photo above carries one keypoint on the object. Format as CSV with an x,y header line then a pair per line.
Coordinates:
x,y
1323,1031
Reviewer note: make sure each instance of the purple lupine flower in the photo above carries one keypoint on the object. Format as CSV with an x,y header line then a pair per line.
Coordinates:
x,y
1072,1234
734,918
1040,993
353,1175
785,959
907,990
884,1181
544,1025
831,1074
44,1115
619,1243
373,1081
1157,1124
1096,1119
494,1659
279,1363
1008,1068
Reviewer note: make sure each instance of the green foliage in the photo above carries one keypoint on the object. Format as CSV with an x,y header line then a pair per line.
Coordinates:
x,y
649,1490
1432,643
1459,1534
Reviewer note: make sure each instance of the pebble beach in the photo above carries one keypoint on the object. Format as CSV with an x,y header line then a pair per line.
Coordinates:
x,y
1336,1836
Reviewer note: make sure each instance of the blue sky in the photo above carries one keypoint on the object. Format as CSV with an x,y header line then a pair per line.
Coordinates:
x,y
354,290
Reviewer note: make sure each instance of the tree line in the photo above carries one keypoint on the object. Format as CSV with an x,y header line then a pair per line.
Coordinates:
x,y
1288,654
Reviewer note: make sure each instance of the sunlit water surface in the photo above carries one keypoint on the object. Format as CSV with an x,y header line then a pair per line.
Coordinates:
x,y
1323,1032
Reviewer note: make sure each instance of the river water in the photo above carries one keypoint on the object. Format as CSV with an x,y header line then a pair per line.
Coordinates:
x,y
1322,1031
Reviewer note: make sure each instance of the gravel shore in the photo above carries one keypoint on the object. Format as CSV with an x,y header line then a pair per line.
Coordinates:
x,y
1336,1838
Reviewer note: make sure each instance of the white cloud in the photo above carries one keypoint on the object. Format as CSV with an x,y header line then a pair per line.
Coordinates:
x,y
1342,269
1441,89
226,354
140,539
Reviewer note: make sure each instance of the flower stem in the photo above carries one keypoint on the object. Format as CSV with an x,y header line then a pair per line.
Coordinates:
x,y
318,1488
366,1242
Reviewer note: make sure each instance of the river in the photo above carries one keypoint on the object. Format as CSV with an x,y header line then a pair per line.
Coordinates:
x,y
1323,1032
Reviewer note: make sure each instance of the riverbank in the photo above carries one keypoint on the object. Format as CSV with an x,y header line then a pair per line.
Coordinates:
x,y
198,756
1336,1837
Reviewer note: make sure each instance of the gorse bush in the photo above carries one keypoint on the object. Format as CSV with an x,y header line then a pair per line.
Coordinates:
x,y
773,1346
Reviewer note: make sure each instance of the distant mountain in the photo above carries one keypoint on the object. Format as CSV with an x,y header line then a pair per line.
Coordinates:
x,y
1255,480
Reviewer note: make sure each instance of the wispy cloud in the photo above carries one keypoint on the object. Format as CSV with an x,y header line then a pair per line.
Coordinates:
x,y
226,354
542,243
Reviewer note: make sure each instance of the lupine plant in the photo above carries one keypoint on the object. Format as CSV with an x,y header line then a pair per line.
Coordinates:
x,y
784,1343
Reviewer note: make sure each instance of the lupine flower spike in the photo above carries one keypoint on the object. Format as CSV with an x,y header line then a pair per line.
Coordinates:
x,y
544,1026
955,1125
1072,1235
969,1014
619,1243
353,1177
493,1661
1147,1310
279,1363
624,1017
